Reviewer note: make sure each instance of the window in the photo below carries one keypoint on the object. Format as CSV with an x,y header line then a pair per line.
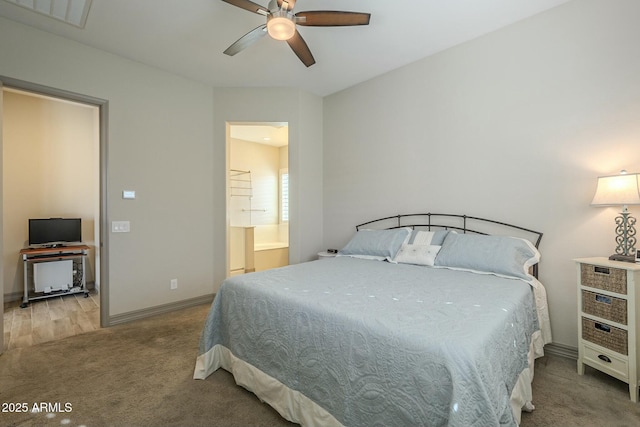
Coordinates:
x,y
284,195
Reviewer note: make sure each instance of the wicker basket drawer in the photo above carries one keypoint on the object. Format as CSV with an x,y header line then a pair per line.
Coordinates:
x,y
607,307
605,278
605,335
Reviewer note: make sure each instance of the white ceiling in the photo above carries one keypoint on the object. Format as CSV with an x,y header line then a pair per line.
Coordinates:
x,y
187,37
275,134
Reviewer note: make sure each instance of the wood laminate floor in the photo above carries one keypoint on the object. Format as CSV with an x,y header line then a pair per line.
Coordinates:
x,y
50,319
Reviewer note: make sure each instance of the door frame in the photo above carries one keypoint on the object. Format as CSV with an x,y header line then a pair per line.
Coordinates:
x,y
103,125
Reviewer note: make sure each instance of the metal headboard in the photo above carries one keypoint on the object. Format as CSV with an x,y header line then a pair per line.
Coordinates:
x,y
461,223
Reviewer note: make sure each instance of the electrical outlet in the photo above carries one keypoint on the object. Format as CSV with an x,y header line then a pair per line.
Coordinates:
x,y
174,283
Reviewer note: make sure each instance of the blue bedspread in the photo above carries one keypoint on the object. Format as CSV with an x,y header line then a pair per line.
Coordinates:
x,y
381,344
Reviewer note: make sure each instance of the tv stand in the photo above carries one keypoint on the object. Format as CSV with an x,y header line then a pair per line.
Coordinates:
x,y
32,256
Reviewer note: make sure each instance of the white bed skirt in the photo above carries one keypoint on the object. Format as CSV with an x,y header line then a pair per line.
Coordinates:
x,y
291,404
296,407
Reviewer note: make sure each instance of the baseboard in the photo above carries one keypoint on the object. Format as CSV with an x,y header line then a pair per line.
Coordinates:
x,y
561,350
159,309
13,296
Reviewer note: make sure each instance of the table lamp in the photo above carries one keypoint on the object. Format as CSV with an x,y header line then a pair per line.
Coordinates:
x,y
621,190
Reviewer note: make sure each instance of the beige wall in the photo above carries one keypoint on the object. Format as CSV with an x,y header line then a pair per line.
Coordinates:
x,y
264,162
50,170
516,126
160,135
284,156
167,141
303,112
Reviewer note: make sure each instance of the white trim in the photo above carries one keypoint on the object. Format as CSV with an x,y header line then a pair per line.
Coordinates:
x,y
159,309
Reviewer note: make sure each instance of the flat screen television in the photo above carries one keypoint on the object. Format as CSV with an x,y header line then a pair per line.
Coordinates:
x,y
54,231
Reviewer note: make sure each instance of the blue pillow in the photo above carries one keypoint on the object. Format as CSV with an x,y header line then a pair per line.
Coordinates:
x,y
376,244
505,256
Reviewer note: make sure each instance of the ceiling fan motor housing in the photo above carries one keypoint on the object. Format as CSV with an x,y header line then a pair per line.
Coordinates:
x,y
273,6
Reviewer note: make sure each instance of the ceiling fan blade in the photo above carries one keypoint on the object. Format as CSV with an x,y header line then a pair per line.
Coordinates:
x,y
247,40
292,3
329,18
249,5
300,48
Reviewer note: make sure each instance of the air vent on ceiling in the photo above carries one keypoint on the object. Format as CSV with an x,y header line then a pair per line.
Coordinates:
x,y
73,12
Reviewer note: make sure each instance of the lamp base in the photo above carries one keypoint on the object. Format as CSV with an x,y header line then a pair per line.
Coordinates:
x,y
623,258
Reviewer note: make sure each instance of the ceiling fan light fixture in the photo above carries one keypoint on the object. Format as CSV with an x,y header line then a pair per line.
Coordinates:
x,y
280,25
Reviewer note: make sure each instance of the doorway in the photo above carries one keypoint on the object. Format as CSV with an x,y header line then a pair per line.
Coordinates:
x,y
258,196
54,145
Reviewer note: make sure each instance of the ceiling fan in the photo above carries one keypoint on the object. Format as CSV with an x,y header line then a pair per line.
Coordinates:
x,y
281,25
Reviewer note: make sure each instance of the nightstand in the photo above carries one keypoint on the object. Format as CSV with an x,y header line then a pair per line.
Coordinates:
x,y
607,319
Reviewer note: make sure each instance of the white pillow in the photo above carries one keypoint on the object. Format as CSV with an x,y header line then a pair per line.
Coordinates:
x,y
417,254
428,237
422,237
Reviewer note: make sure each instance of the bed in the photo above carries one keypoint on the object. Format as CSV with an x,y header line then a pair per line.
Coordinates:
x,y
421,319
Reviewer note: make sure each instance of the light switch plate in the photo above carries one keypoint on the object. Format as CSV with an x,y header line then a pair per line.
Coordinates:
x,y
120,226
128,194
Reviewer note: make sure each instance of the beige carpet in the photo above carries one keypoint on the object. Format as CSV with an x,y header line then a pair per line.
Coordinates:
x,y
137,374
140,374
565,399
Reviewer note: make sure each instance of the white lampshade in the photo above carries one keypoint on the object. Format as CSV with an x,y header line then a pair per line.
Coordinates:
x,y
617,190
280,26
